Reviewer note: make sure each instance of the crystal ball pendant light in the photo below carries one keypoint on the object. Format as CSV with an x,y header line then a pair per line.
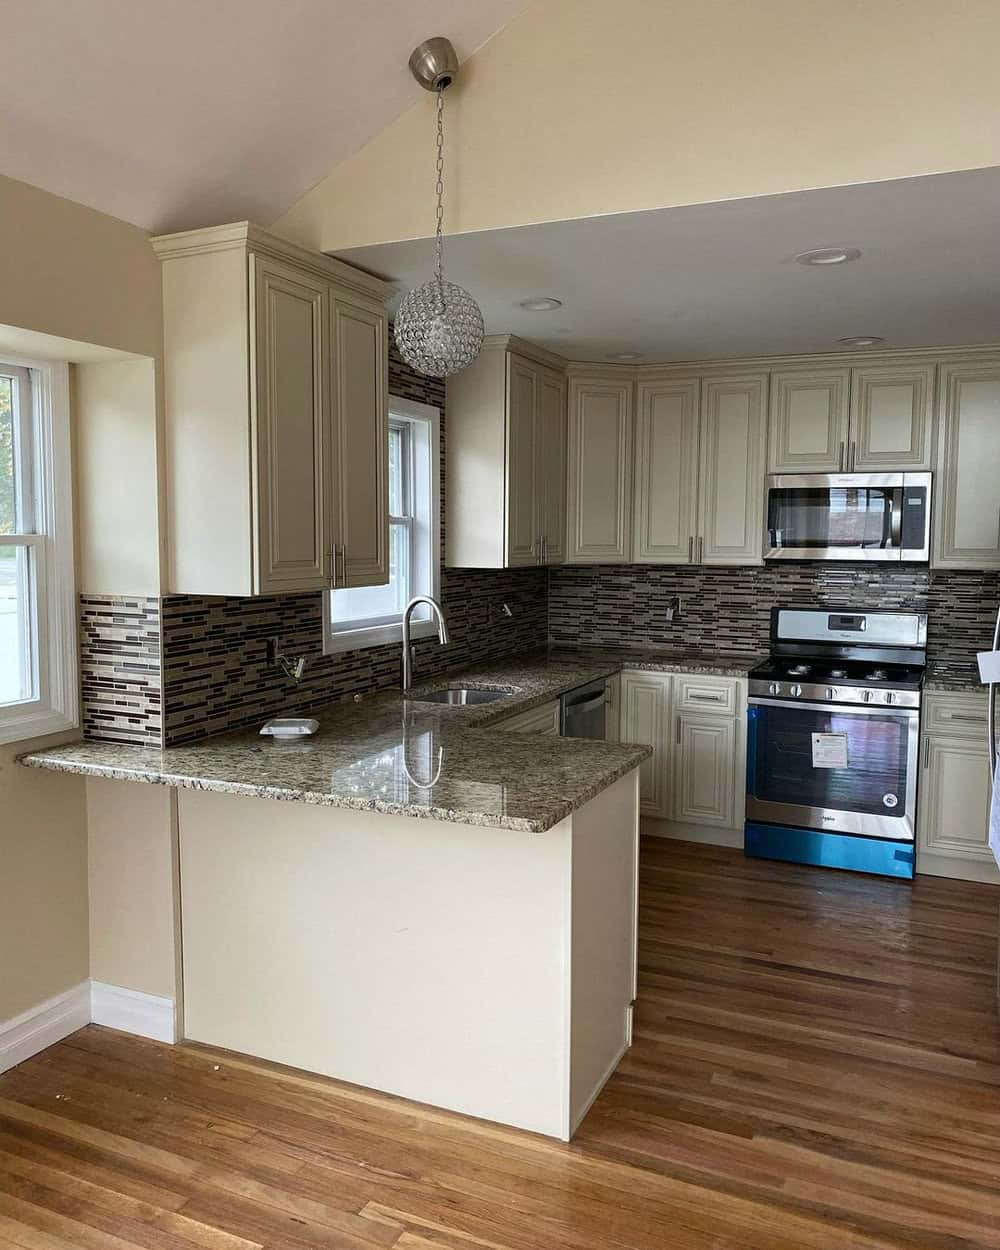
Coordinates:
x,y
439,327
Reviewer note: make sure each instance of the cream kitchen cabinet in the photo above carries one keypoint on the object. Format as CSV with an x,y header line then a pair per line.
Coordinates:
x,y
665,506
506,459
599,470
695,725
967,484
731,483
276,434
873,418
953,809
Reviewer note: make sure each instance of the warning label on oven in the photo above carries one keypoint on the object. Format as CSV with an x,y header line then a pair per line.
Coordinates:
x,y
829,750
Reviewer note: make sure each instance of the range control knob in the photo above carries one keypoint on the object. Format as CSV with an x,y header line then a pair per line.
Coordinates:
x,y
831,692
867,696
890,696
795,690
774,688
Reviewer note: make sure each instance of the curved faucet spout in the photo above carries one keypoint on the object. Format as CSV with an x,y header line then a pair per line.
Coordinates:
x,y
443,636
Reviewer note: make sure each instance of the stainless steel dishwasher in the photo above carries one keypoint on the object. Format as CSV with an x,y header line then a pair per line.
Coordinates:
x,y
582,711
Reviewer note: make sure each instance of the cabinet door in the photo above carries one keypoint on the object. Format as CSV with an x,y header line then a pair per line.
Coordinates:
x,y
953,814
733,439
704,771
599,472
967,508
522,470
288,419
891,418
360,426
552,430
645,701
808,420
666,472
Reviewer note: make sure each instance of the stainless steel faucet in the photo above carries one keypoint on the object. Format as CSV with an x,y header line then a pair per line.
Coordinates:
x,y
443,638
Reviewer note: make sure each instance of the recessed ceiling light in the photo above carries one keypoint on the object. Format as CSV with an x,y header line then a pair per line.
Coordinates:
x,y
624,356
861,340
540,303
828,255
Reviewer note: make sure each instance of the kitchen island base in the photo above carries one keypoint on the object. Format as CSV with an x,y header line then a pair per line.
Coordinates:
x,y
484,970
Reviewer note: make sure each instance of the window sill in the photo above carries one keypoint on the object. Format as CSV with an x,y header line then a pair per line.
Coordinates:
x,y
375,636
34,723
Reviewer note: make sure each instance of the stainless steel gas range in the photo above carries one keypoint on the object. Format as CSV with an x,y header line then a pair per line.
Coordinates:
x,y
833,740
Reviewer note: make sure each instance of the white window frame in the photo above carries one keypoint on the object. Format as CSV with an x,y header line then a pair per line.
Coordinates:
x,y
425,452
49,535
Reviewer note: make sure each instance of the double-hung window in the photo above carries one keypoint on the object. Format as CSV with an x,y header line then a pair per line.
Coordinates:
x,y
37,592
369,615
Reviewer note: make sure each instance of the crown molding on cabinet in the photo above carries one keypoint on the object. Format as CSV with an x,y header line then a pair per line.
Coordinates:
x,y
244,234
521,347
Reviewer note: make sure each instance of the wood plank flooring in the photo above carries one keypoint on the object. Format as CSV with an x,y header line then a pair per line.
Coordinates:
x,y
816,1065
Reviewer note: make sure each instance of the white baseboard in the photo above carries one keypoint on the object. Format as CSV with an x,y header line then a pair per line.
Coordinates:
x,y
708,834
958,868
147,1015
42,1026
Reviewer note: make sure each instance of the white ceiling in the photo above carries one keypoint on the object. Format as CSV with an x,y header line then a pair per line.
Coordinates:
x,y
716,281
199,112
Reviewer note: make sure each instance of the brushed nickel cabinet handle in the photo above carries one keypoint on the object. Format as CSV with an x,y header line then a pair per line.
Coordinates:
x,y
927,753
677,734
331,567
854,454
841,457
691,549
972,716
342,575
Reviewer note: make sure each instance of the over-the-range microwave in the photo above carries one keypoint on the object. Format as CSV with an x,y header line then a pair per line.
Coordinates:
x,y
848,516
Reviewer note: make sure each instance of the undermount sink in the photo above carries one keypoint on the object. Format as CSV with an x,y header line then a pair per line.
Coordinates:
x,y
462,696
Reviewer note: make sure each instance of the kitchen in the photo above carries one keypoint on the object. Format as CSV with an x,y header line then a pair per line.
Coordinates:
x,y
627,547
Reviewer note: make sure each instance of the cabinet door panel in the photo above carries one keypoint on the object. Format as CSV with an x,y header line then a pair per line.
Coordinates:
x,y
967,526
733,438
599,476
523,472
666,472
289,405
360,424
808,420
552,490
705,770
954,801
645,718
891,417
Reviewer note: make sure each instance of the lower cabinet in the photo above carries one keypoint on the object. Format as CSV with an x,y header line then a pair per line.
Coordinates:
x,y
696,772
537,720
953,808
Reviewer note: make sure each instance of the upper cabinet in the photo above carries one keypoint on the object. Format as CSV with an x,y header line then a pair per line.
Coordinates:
x,y
599,474
733,451
808,420
665,505
276,429
506,459
874,418
967,483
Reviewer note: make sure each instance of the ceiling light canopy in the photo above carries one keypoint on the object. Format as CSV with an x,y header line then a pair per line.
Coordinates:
x,y
828,255
540,303
861,340
439,327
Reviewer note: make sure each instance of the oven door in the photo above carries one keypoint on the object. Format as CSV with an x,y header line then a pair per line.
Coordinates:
x,y
834,769
848,516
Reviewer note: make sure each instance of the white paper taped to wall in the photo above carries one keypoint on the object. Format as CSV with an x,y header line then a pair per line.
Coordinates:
x,y
829,750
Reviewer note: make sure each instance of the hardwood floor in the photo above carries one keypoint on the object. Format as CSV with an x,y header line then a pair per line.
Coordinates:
x,y
816,1064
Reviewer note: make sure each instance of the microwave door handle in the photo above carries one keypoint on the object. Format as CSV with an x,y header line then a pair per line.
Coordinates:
x,y
896,518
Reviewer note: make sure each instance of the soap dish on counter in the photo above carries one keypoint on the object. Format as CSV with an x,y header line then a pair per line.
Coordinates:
x,y
289,727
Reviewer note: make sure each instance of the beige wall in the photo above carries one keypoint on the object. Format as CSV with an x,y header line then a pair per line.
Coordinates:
x,y
134,935
43,878
581,107
118,512
66,271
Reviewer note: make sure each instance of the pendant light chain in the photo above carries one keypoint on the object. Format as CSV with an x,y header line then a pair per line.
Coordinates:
x,y
439,188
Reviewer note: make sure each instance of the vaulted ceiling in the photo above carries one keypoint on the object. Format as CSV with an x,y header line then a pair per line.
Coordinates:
x,y
196,112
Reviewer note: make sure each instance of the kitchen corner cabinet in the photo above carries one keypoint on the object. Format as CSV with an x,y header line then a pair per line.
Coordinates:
x,y
599,469
276,416
873,418
506,459
967,483
953,812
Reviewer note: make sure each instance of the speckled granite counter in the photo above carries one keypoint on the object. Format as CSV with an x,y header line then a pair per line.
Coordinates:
x,y
953,677
718,664
397,756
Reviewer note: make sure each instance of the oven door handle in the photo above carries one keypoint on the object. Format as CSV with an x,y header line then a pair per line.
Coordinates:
x,y
752,718
852,709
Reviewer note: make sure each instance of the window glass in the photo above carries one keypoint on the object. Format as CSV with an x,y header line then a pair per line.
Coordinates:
x,y
17,666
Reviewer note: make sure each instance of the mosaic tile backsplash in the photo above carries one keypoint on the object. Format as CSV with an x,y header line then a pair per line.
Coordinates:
x,y
120,691
729,609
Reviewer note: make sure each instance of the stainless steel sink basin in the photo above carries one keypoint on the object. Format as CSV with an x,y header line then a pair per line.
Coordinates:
x,y
462,696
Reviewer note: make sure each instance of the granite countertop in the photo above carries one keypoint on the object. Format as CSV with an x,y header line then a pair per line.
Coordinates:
x,y
953,677
404,757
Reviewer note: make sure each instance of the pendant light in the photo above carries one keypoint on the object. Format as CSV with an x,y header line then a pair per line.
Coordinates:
x,y
439,328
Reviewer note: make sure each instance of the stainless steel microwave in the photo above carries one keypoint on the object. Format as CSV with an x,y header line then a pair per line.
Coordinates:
x,y
848,516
